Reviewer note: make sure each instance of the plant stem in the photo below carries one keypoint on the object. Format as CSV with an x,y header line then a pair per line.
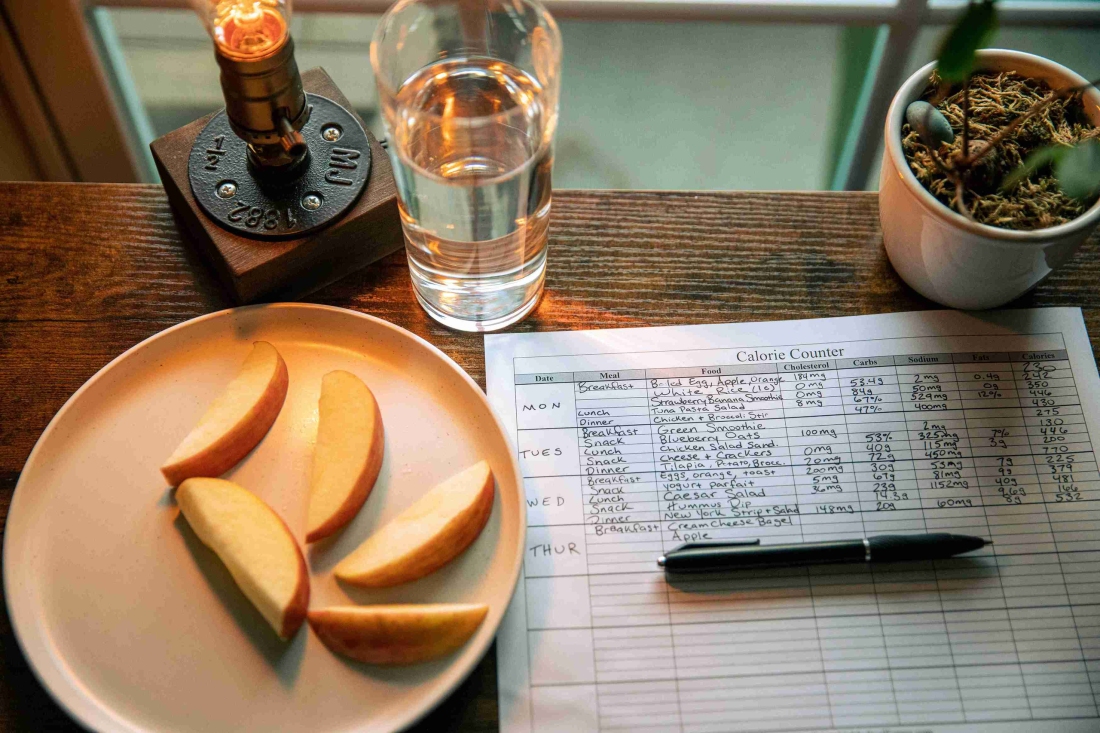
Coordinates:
x,y
960,202
964,170
966,122
960,187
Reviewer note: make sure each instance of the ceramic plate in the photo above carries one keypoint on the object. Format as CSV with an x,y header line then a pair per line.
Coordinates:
x,y
134,625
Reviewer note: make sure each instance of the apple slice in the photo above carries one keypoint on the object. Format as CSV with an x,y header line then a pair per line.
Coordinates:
x,y
348,455
427,535
398,634
255,545
235,421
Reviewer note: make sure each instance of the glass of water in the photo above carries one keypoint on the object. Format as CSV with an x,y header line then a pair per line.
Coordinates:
x,y
469,94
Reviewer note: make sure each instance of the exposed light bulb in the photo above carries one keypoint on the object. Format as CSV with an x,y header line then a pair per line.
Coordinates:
x,y
264,99
266,167
245,30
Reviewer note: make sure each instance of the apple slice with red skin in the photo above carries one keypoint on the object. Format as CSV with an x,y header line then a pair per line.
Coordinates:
x,y
397,634
348,455
427,535
235,421
255,545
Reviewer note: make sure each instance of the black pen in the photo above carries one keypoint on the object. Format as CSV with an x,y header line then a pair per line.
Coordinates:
x,y
708,557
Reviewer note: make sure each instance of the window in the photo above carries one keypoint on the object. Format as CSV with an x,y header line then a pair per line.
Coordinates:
x,y
672,94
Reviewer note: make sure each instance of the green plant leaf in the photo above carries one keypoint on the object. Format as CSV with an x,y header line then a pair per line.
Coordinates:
x,y
1078,169
1036,161
973,29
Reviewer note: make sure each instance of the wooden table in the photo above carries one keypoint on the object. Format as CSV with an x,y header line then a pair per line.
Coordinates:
x,y
89,270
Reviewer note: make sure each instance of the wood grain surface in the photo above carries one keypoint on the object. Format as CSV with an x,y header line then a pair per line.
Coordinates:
x,y
89,270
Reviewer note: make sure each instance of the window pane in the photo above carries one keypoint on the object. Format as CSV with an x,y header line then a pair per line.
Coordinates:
x,y
171,61
645,105
696,105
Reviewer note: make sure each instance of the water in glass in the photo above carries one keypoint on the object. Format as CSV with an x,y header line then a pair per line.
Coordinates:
x,y
472,149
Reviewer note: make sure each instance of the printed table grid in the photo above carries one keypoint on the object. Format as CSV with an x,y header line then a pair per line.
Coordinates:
x,y
621,466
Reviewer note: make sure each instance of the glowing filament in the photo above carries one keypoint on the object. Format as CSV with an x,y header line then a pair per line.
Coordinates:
x,y
248,29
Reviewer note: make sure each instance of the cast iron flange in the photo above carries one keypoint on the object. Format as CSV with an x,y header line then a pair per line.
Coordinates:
x,y
265,205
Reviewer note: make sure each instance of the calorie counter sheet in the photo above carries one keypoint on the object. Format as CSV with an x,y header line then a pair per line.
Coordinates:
x,y
633,441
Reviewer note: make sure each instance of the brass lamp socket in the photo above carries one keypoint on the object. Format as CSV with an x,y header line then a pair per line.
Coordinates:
x,y
266,107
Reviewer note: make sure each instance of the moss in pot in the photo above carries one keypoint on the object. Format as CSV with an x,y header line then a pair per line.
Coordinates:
x,y
1035,199
1000,148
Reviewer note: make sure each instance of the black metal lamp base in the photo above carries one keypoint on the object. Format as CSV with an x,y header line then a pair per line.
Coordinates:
x,y
284,265
280,205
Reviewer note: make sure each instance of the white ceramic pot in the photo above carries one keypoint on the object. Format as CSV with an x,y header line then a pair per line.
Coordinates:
x,y
945,256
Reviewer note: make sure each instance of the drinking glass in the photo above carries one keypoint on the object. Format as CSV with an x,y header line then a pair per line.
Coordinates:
x,y
469,95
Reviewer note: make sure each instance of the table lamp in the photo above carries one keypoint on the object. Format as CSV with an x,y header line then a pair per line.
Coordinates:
x,y
284,189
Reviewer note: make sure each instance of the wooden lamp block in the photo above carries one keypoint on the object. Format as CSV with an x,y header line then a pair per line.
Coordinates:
x,y
254,269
